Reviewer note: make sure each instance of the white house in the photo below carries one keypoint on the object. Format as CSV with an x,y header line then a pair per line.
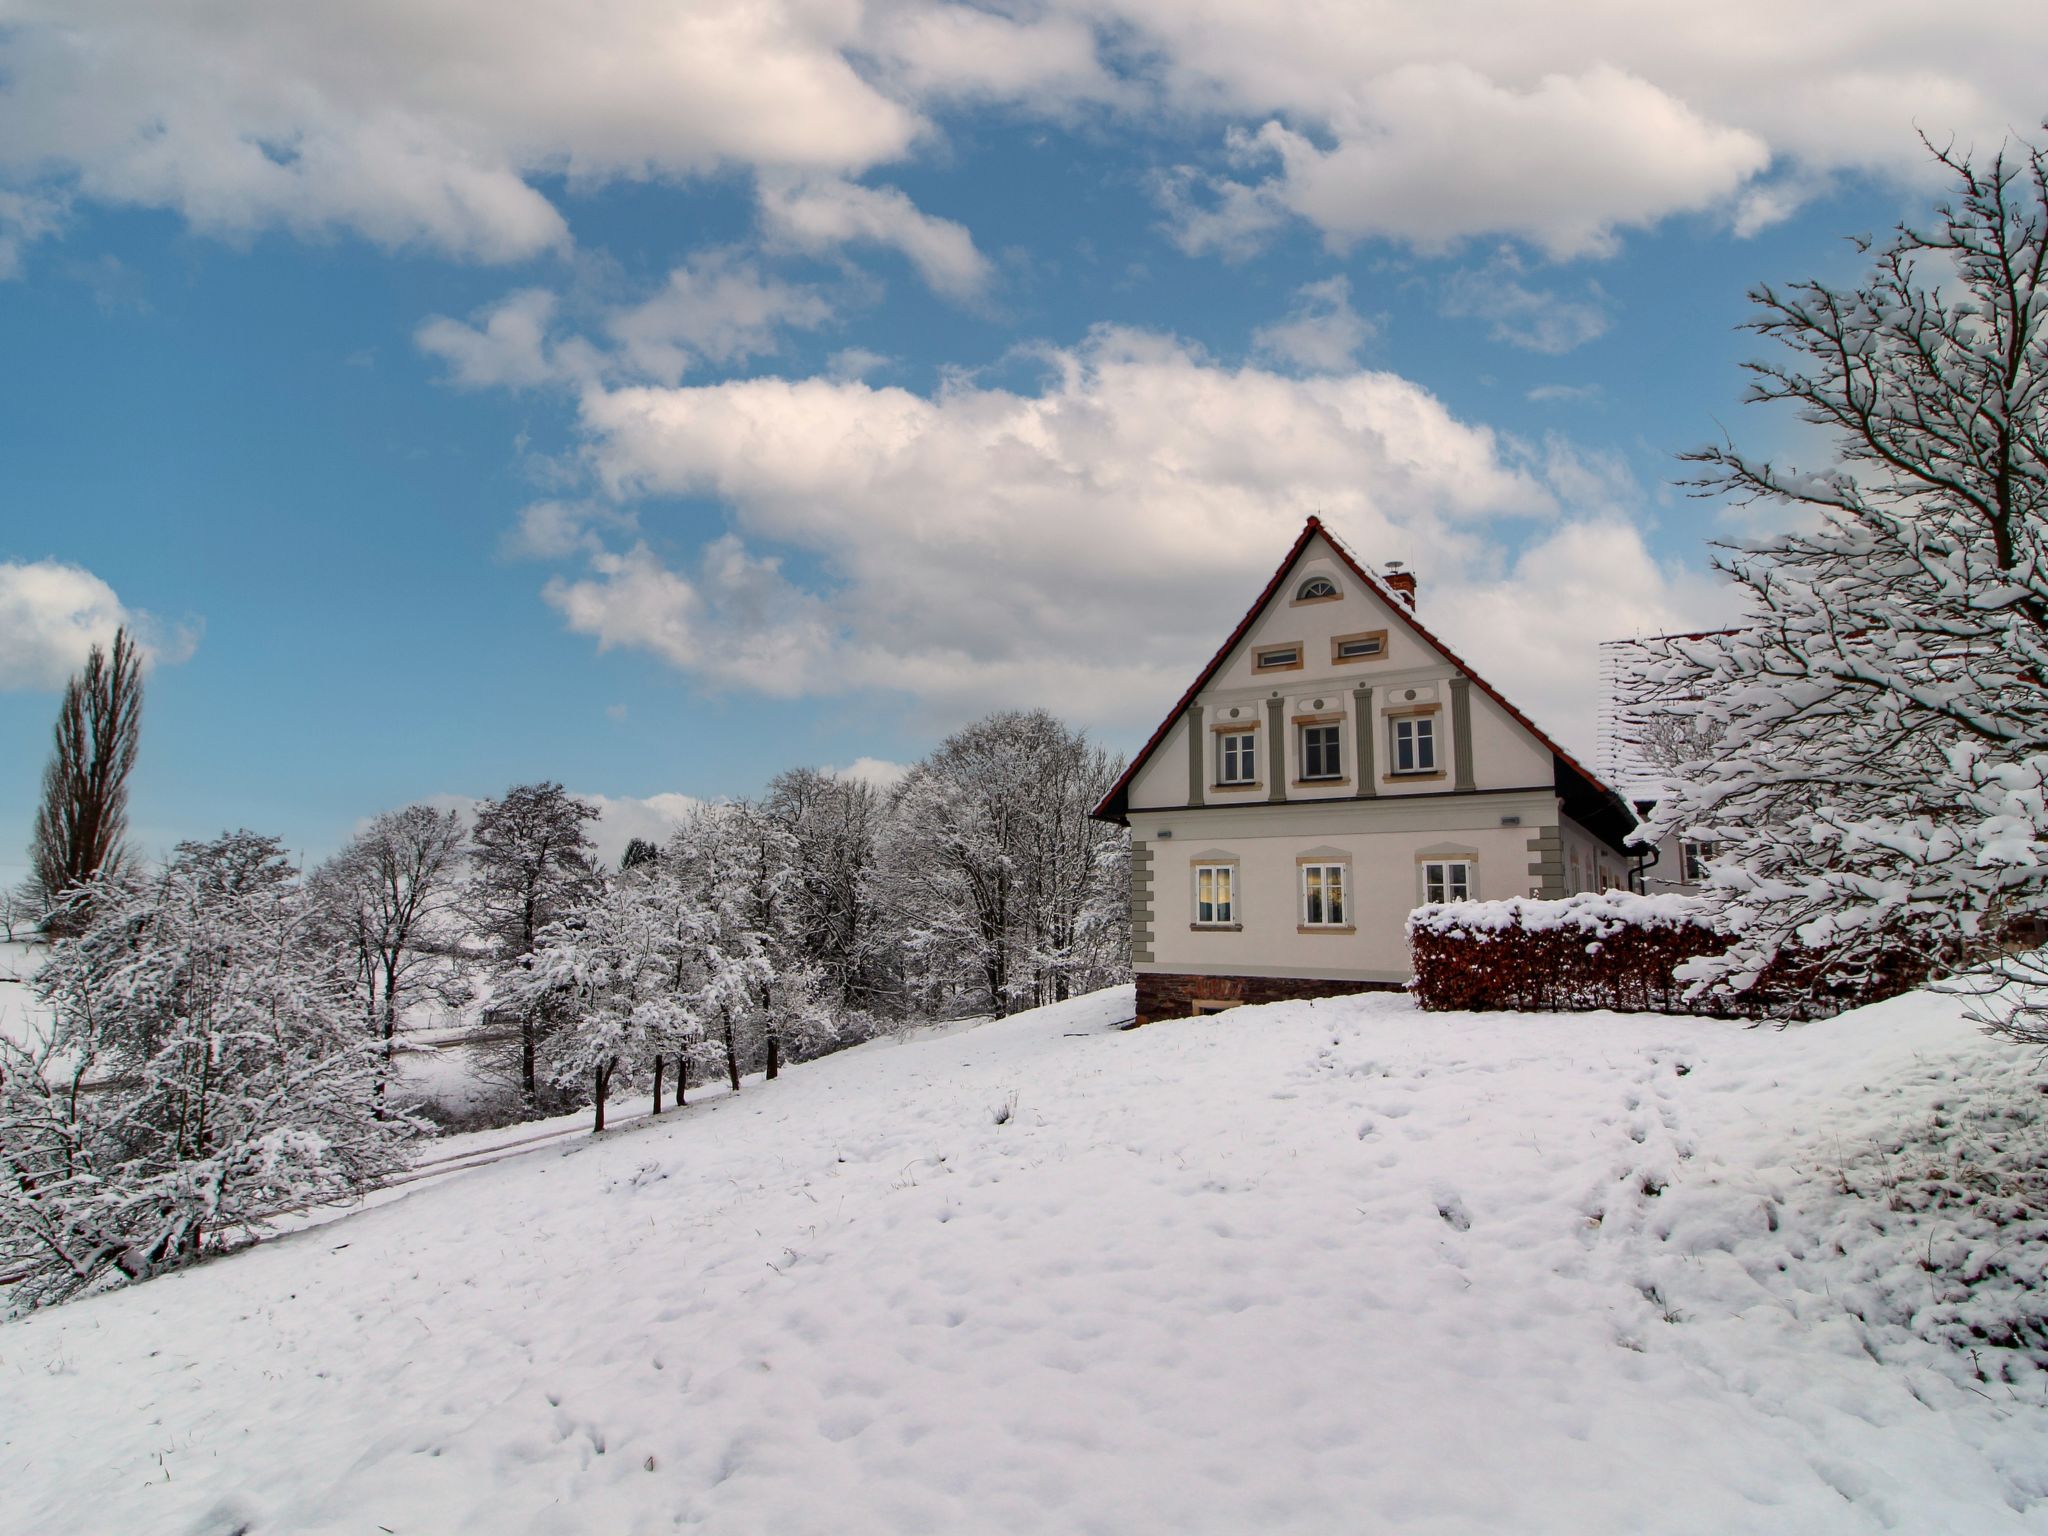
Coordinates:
x,y
1333,767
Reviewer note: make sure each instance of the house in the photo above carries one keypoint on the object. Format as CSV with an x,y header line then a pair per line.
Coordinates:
x,y
1335,766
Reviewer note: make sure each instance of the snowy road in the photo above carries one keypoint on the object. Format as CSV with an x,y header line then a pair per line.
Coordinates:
x,y
1329,1268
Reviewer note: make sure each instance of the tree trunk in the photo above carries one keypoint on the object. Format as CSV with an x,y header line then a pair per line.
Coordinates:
x,y
732,1057
527,1043
774,1057
602,1075
657,1084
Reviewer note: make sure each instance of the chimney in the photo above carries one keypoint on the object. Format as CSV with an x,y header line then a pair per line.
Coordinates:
x,y
1401,581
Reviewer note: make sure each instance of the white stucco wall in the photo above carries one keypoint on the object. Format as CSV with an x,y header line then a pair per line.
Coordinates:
x,y
1383,846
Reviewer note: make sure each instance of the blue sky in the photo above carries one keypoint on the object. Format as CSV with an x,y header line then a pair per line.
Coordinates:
x,y
655,397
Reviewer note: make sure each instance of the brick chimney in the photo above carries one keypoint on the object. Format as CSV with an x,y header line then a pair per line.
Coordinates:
x,y
1401,581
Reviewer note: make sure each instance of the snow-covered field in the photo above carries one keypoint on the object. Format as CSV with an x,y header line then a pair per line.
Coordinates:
x,y
1337,1267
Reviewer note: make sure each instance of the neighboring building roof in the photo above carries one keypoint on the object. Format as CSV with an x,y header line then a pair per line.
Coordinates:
x,y
1591,802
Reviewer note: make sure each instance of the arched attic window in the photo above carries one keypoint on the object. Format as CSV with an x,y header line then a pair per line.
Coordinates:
x,y
1316,589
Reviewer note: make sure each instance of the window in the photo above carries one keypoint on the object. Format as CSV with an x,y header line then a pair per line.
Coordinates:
x,y
1317,589
1215,887
1447,880
1693,856
1321,756
1276,658
1322,896
1237,757
1358,647
1415,744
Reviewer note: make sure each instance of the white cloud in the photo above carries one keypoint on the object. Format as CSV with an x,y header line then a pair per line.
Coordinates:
x,y
878,771
820,213
1322,332
1567,123
1564,394
506,344
1442,153
1082,545
437,122
1537,319
425,121
718,307
1534,628
51,616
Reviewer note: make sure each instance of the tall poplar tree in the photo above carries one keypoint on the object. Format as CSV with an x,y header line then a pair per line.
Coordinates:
x,y
83,819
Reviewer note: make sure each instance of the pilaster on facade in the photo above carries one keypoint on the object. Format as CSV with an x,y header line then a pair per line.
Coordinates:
x,y
1142,910
1546,863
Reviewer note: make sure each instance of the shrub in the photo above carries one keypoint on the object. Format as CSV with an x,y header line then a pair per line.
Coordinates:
x,y
1614,949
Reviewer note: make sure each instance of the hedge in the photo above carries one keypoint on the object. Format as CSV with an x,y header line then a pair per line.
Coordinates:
x,y
1615,950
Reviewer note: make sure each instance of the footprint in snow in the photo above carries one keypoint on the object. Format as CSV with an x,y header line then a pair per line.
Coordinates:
x,y
1453,1211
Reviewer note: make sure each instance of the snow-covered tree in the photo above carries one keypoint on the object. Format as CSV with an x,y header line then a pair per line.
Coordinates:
x,y
530,865
833,902
1876,783
742,969
232,1076
387,903
607,971
1008,890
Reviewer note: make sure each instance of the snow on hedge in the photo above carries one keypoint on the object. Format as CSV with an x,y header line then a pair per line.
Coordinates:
x,y
1296,1270
1597,914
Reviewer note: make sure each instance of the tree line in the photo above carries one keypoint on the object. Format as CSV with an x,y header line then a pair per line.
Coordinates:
x,y
225,1031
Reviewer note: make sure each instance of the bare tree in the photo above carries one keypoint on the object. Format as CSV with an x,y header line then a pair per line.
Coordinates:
x,y
387,901
83,819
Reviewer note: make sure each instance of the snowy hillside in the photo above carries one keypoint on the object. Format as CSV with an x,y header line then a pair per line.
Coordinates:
x,y
1310,1268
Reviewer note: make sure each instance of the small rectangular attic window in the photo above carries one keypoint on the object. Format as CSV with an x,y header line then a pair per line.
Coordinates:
x,y
1276,658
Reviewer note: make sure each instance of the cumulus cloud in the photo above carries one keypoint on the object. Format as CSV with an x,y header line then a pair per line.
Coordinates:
x,y
717,308
504,345
1535,626
1536,319
819,214
1322,332
426,121
1081,543
438,122
51,616
1444,153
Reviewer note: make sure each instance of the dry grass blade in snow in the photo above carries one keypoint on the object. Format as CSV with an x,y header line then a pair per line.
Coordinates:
x,y
1309,1268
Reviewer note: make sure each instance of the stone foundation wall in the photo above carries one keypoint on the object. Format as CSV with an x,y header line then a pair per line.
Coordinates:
x,y
1174,996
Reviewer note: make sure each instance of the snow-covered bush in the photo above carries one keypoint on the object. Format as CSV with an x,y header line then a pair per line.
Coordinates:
x,y
1608,949
204,1066
1615,949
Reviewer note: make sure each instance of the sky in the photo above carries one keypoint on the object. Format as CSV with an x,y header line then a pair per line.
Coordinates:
x,y
652,397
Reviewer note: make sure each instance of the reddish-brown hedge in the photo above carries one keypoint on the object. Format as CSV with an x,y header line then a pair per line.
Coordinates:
x,y
1614,950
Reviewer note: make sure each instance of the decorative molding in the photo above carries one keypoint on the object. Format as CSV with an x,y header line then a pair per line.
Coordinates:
x,y
1461,731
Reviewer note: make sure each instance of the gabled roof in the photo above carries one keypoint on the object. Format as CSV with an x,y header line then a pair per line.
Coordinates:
x,y
1590,799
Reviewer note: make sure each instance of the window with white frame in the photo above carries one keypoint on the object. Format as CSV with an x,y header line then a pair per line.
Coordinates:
x,y
1215,895
1323,896
1316,589
1414,744
1237,757
1693,856
1447,880
1321,752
